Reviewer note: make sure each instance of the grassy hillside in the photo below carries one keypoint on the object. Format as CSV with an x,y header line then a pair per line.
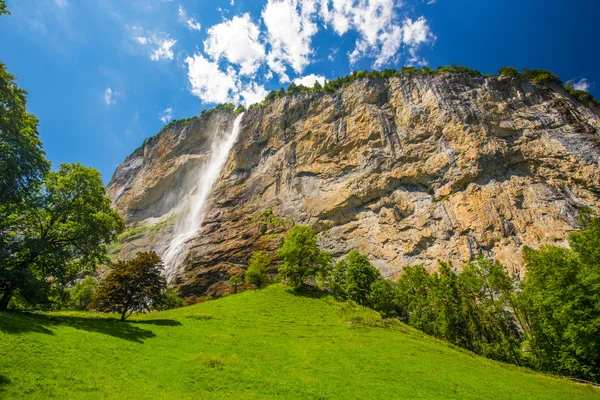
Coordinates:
x,y
258,344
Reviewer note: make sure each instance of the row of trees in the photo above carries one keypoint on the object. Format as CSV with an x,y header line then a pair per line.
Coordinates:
x,y
549,321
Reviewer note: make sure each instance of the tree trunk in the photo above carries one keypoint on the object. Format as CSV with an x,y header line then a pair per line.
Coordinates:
x,y
8,293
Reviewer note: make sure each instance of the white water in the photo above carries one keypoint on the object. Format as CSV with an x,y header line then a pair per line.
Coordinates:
x,y
191,222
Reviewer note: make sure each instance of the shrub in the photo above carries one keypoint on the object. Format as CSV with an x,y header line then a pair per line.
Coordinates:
x,y
384,298
540,75
234,282
509,71
168,300
82,293
257,269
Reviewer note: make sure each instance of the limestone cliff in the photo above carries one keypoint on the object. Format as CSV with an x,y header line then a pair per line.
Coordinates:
x,y
407,170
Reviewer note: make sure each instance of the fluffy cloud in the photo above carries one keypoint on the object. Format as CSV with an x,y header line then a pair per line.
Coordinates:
x,y
252,93
190,22
582,84
61,3
309,80
238,41
379,34
209,83
166,115
290,28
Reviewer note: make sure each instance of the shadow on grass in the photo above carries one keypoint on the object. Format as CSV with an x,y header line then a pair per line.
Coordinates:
x,y
159,322
4,381
308,291
13,323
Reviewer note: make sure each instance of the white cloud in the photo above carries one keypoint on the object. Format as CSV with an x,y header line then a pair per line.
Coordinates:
x,y
583,84
309,80
238,41
232,2
164,51
61,3
416,33
209,83
110,97
290,28
252,93
162,44
190,22
166,115
379,34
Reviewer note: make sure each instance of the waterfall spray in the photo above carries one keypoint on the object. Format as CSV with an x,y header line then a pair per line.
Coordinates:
x,y
191,222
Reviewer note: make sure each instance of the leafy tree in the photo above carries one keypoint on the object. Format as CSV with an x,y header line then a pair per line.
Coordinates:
x,y
301,257
82,293
384,298
560,302
317,86
131,286
168,300
22,161
3,9
257,269
360,275
234,282
415,287
63,230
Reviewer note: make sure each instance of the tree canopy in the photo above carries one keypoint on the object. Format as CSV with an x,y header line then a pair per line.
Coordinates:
x,y
301,256
131,286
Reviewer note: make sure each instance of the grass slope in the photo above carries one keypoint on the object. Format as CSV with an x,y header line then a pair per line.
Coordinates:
x,y
258,344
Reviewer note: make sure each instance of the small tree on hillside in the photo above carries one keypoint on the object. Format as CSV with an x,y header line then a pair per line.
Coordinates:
x,y
131,286
234,282
301,257
82,293
256,274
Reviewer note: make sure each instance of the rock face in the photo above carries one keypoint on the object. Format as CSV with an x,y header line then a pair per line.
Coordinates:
x,y
408,170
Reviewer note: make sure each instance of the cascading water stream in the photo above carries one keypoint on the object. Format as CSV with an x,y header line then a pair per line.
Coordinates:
x,y
191,223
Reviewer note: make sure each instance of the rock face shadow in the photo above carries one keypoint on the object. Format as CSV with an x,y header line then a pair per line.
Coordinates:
x,y
16,323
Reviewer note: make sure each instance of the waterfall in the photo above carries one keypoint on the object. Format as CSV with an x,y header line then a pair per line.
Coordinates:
x,y
191,222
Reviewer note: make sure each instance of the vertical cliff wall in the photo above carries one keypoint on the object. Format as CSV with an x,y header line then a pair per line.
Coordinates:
x,y
408,170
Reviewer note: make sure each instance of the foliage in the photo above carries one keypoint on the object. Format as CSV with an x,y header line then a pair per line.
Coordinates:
x,y
82,293
383,298
270,220
22,161
179,122
509,71
301,257
131,286
560,302
3,9
233,348
352,277
168,300
235,281
63,230
540,75
257,269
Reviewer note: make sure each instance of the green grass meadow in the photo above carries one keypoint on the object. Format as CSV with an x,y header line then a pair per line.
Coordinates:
x,y
262,344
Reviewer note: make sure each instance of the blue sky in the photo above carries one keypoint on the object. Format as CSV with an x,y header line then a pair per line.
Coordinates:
x,y
102,75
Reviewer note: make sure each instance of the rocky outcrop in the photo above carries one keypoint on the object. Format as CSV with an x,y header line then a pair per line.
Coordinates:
x,y
408,170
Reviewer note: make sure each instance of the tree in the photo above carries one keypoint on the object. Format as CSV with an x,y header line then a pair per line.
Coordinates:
x,y
560,303
62,230
3,9
82,293
234,282
383,297
22,161
257,269
168,300
301,257
317,86
131,286
360,275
